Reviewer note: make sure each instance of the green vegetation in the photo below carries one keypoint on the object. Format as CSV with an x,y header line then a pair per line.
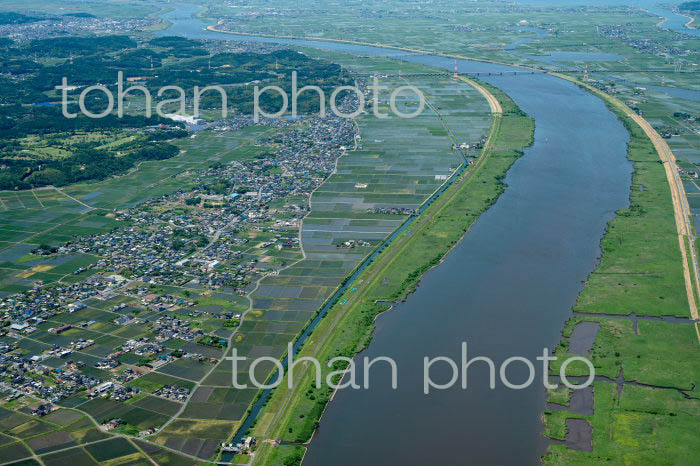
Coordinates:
x,y
560,396
640,268
640,271
10,17
350,322
41,147
214,342
555,427
649,426
154,381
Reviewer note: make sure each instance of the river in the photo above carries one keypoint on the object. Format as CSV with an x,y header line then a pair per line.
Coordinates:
x,y
506,289
668,19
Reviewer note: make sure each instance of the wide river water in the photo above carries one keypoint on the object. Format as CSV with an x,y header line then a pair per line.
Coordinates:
x,y
506,289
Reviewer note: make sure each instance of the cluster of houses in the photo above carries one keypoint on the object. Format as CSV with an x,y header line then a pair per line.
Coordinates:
x,y
168,327
246,444
392,210
351,244
114,390
25,311
43,409
633,35
54,26
19,375
201,237
172,392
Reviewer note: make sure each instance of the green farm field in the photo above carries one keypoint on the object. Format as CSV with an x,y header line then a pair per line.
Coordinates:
x,y
293,416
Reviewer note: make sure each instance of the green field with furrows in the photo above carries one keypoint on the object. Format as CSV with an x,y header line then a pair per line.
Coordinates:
x,y
57,436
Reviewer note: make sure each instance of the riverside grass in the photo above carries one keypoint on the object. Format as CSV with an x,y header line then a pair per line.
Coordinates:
x,y
640,271
393,275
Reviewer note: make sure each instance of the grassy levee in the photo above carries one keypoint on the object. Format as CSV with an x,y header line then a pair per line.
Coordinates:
x,y
640,271
293,415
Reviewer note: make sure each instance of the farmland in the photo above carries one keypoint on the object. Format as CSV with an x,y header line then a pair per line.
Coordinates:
x,y
135,257
161,337
293,416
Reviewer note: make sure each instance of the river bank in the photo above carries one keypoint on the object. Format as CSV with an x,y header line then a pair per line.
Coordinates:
x,y
648,364
294,416
537,242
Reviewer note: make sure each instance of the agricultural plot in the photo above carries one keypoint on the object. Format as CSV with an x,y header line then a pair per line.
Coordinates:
x,y
66,436
60,430
50,442
24,230
397,164
74,456
15,451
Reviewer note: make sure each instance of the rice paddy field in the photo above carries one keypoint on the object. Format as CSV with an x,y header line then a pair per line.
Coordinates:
x,y
511,33
53,216
67,436
395,166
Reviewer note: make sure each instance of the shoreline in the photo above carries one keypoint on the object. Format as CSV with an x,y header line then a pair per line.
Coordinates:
x,y
213,28
287,410
691,20
660,148
664,19
608,390
678,194
496,110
